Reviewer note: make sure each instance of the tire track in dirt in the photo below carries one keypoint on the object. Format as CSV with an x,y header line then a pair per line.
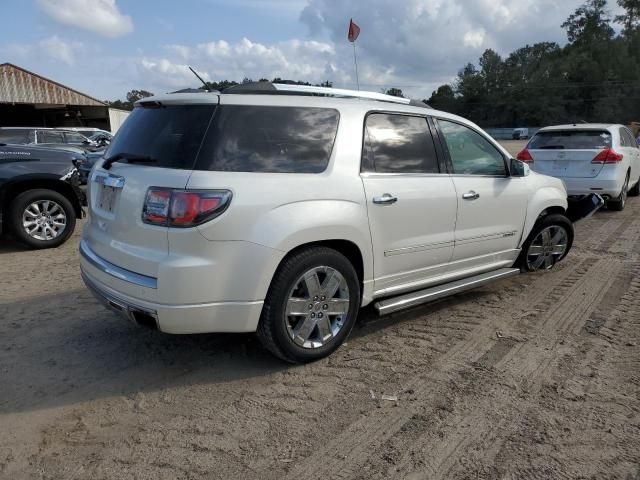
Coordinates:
x,y
570,314
334,460
439,449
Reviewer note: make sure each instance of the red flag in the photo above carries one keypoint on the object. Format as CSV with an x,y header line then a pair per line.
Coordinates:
x,y
354,31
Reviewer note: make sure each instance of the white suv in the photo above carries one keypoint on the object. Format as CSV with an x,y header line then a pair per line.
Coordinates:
x,y
589,158
283,210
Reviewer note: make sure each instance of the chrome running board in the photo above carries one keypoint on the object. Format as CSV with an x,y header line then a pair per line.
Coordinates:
x,y
434,293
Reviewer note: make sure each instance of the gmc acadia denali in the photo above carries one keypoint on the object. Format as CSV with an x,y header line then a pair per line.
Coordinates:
x,y
283,209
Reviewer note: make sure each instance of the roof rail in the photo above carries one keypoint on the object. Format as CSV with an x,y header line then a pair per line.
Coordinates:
x,y
340,92
288,88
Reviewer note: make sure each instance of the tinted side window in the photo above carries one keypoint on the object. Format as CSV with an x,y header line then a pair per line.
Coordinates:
x,y
624,140
396,143
50,137
630,140
74,138
269,139
14,136
470,152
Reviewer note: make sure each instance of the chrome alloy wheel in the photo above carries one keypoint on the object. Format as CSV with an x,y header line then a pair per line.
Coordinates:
x,y
317,307
547,248
44,220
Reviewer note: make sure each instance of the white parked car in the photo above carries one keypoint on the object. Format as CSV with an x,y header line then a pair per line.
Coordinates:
x,y
284,214
589,158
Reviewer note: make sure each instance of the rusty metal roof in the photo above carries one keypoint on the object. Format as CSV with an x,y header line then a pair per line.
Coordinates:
x,y
18,85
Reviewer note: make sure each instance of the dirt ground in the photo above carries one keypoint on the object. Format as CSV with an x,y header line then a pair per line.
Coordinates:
x,y
537,376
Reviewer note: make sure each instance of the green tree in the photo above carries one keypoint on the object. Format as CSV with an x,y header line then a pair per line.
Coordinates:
x,y
443,99
135,95
630,19
589,23
394,92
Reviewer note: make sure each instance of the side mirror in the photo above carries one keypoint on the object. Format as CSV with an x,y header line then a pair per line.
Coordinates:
x,y
519,169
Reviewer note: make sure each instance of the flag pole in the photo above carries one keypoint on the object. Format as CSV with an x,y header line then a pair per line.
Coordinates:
x,y
355,61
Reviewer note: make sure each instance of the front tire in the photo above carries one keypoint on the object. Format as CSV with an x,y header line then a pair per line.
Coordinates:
x,y
311,306
42,218
547,244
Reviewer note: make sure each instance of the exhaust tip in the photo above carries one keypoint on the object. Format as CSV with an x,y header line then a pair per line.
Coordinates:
x,y
144,319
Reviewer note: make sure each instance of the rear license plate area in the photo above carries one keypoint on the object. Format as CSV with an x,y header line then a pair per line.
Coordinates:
x,y
107,198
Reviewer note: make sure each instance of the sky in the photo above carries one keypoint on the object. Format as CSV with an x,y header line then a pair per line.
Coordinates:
x,y
107,47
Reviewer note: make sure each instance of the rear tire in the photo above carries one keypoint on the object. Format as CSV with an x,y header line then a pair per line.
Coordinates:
x,y
548,243
635,191
41,218
311,306
619,204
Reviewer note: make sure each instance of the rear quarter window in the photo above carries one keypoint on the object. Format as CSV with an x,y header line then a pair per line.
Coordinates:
x,y
269,139
571,140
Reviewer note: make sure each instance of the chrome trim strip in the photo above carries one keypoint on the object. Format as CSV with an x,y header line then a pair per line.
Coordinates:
x,y
395,174
115,271
418,248
423,296
114,181
482,238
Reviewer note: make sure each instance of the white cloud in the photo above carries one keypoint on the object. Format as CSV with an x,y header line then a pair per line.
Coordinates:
x,y
166,74
58,49
99,16
474,38
50,50
218,60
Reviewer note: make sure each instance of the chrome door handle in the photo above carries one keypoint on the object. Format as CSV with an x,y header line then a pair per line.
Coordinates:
x,y
470,195
386,199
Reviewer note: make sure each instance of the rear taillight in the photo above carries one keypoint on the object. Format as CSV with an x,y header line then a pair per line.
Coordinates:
x,y
608,156
525,156
183,208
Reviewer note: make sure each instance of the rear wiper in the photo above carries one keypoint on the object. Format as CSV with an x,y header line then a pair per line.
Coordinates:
x,y
129,157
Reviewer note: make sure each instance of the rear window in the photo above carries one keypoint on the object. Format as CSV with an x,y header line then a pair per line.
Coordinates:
x,y
269,139
571,140
170,134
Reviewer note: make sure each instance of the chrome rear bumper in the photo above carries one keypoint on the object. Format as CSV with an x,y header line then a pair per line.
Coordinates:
x,y
134,313
128,276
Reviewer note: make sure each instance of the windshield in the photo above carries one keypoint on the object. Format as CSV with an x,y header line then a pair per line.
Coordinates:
x,y
170,135
571,140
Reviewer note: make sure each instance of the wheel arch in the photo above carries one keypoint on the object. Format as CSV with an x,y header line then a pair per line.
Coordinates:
x,y
545,201
352,252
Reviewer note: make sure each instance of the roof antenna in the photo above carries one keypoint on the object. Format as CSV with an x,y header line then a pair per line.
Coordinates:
x,y
206,87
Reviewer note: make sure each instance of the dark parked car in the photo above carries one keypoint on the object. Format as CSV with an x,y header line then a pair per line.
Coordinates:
x,y
86,161
40,195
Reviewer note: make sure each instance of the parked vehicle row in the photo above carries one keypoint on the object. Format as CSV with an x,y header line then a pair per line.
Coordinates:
x,y
589,158
283,209
55,137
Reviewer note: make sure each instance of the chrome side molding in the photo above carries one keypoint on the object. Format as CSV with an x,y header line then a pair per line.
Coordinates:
x,y
434,293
